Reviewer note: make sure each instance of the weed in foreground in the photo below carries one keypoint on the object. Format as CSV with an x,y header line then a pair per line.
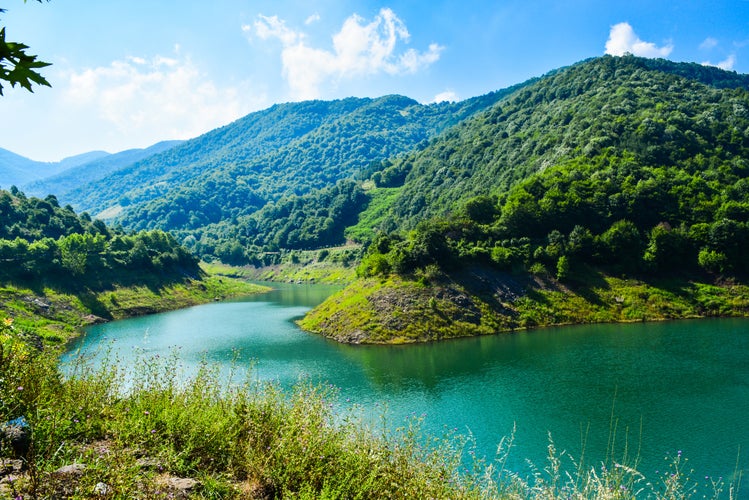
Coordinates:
x,y
138,434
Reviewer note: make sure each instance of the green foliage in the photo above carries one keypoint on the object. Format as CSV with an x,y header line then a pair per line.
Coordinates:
x,y
627,164
40,242
17,66
371,217
287,158
563,268
622,245
647,115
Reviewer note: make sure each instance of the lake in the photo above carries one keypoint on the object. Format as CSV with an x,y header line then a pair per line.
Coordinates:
x,y
659,389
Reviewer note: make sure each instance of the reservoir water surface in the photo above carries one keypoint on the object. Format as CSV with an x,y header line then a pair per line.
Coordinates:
x,y
663,389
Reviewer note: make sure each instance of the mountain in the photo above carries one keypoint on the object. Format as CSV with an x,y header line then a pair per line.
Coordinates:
x,y
662,113
95,167
16,170
287,150
612,190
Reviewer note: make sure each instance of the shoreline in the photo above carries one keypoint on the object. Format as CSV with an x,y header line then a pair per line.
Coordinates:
x,y
394,310
57,317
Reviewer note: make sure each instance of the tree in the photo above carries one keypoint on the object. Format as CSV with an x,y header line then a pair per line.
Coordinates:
x,y
622,246
18,67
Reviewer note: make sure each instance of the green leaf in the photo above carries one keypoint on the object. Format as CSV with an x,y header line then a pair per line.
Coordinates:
x,y
18,67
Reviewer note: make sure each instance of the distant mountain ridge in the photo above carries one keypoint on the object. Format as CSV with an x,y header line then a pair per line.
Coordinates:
x,y
95,167
207,184
16,170
250,155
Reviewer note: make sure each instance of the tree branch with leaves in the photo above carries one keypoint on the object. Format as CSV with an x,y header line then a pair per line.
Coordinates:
x,y
18,67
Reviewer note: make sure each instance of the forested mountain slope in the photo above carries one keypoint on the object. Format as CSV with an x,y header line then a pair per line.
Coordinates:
x,y
287,148
658,112
612,190
208,190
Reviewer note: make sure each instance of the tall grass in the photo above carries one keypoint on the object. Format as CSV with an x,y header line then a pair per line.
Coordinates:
x,y
242,439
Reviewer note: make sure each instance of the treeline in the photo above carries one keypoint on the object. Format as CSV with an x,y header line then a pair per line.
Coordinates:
x,y
41,242
608,212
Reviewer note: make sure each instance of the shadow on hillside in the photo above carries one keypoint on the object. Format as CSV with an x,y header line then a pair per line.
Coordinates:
x,y
501,287
492,286
585,283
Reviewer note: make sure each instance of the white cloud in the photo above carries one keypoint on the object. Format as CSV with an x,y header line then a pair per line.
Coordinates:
x,y
447,95
140,99
312,19
708,43
359,49
623,40
273,27
726,64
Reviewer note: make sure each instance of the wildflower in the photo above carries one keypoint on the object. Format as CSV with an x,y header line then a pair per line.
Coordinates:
x,y
19,388
153,431
146,412
8,322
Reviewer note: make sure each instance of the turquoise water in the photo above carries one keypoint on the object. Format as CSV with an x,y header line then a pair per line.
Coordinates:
x,y
658,388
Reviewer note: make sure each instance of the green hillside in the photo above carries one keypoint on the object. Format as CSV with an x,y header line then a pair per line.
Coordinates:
x,y
615,167
42,243
656,112
210,187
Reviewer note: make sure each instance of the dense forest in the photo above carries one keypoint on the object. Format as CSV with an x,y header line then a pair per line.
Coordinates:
x,y
628,164
286,156
42,243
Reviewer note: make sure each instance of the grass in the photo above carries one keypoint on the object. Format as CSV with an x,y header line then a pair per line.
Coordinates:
x,y
329,266
437,306
380,200
56,316
241,439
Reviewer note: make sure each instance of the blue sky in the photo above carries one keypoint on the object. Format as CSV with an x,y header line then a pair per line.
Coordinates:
x,y
130,73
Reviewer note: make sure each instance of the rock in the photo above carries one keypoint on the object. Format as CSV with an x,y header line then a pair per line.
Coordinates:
x,y
10,466
148,463
16,433
71,470
102,489
182,484
92,319
41,304
179,487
